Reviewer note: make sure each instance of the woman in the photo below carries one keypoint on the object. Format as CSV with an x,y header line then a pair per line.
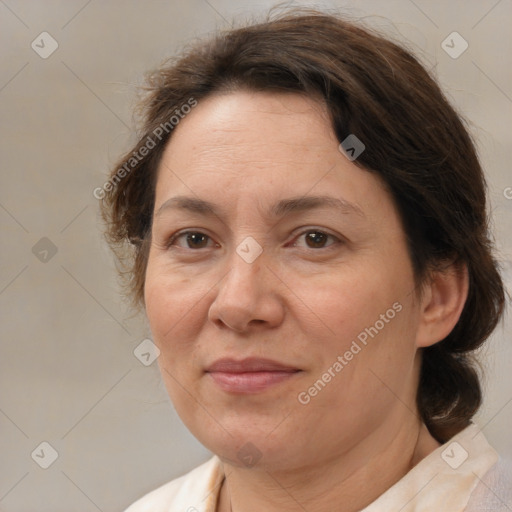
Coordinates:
x,y
307,221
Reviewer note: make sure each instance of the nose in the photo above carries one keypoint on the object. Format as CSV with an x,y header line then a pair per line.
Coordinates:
x,y
248,297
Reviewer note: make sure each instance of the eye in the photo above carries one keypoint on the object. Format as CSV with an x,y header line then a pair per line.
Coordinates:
x,y
316,239
192,240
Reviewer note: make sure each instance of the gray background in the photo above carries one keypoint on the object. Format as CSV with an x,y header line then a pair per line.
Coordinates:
x,y
68,375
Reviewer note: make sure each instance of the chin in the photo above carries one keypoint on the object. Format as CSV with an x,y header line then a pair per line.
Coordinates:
x,y
252,446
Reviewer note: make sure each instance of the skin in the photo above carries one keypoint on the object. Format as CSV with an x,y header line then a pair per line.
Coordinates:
x,y
298,303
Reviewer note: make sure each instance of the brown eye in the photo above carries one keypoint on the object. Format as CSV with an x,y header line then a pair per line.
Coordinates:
x,y
193,240
316,239
197,240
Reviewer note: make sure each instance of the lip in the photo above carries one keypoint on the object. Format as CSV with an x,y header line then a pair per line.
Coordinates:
x,y
251,375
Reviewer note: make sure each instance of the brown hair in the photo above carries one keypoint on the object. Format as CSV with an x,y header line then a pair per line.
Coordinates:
x,y
415,141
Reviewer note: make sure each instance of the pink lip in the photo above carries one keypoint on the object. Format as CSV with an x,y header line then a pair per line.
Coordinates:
x,y
250,375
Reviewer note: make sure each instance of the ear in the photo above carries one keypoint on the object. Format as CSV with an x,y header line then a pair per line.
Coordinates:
x,y
441,303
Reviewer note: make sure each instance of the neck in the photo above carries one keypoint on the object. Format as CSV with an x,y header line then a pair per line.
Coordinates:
x,y
354,479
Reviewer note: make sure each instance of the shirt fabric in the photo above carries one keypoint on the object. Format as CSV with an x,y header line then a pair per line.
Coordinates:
x,y
463,475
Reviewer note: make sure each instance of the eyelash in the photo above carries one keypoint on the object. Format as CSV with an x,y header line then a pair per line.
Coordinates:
x,y
176,236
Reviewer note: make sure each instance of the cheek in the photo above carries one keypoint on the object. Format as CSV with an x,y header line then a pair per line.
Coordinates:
x,y
347,302
366,361
174,311
367,317
174,308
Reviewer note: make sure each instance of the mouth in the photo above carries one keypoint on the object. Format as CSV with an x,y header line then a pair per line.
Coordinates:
x,y
251,375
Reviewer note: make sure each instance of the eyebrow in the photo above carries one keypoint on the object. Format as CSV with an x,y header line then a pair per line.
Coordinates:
x,y
278,210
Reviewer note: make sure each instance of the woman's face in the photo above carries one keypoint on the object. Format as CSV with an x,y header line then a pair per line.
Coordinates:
x,y
279,287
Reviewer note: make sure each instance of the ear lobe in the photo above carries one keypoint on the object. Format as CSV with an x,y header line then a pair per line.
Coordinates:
x,y
442,303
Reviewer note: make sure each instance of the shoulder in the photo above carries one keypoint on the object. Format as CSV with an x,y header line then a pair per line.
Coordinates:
x,y
494,491
192,492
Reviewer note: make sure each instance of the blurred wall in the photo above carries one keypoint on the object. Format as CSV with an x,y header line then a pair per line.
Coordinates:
x,y
68,373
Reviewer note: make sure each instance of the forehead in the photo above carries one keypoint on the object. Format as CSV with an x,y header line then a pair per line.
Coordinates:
x,y
261,144
262,125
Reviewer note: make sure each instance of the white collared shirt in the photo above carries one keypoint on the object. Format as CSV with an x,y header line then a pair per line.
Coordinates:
x,y
464,474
